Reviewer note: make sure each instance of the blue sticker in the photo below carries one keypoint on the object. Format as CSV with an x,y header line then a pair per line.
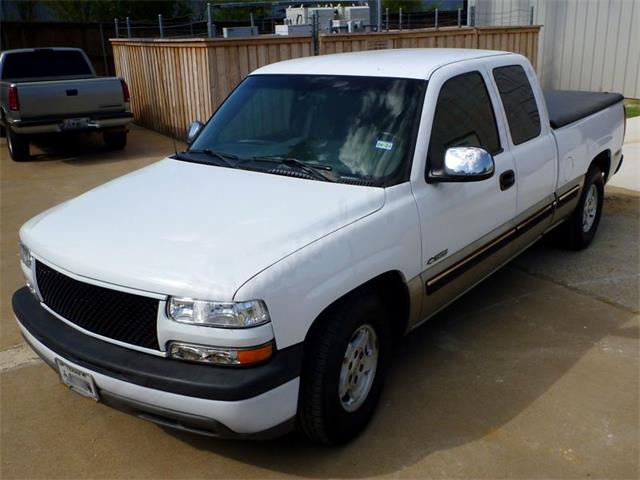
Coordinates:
x,y
382,145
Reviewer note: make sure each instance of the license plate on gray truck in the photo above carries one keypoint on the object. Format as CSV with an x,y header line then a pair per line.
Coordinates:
x,y
76,380
75,123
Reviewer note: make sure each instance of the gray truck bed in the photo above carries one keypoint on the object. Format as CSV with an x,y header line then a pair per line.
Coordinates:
x,y
568,106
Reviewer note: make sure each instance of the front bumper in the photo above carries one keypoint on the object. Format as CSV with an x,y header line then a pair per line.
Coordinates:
x,y
259,401
97,121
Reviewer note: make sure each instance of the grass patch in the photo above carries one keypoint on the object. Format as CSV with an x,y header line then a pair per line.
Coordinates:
x,y
632,106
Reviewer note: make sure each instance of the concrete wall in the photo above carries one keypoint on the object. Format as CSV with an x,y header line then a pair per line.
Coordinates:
x,y
584,44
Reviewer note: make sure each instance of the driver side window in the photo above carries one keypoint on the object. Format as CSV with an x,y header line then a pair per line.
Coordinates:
x,y
463,117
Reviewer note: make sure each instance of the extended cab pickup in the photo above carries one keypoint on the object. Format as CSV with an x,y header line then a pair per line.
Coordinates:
x,y
53,90
258,280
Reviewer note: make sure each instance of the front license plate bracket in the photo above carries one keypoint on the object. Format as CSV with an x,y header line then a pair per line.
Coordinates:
x,y
80,382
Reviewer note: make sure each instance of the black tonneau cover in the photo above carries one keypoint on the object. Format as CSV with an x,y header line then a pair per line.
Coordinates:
x,y
568,106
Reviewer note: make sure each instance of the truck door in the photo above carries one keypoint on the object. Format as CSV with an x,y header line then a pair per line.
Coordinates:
x,y
532,145
463,224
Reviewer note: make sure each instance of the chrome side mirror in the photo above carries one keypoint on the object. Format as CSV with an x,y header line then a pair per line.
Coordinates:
x,y
193,131
464,164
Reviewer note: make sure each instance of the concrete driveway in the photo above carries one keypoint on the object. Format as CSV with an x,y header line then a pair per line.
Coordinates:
x,y
628,178
534,374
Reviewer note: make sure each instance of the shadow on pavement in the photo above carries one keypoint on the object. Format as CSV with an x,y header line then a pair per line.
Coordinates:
x,y
65,146
86,149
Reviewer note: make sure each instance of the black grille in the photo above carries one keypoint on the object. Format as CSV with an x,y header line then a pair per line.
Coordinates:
x,y
110,313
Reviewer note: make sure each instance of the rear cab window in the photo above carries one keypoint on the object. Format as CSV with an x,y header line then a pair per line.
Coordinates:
x,y
463,116
519,103
45,63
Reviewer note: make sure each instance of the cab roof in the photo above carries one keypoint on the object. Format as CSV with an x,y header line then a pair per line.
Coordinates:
x,y
418,63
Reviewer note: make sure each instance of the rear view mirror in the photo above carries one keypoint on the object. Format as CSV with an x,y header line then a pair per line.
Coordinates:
x,y
464,164
193,131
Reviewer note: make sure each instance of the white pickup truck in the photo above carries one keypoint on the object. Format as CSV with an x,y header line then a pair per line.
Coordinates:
x,y
258,281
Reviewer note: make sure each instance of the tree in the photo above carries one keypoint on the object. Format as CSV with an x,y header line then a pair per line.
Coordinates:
x,y
72,10
107,10
406,5
409,5
221,13
22,11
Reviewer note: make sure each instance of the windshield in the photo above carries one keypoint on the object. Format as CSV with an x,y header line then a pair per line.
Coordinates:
x,y
358,128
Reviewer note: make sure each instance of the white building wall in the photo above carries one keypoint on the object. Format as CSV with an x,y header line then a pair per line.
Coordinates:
x,y
501,12
584,44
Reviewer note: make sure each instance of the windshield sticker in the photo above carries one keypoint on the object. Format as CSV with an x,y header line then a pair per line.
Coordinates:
x,y
382,145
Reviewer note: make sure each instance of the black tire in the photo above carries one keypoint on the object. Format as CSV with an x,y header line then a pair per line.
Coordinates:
x,y
18,146
576,233
321,414
114,140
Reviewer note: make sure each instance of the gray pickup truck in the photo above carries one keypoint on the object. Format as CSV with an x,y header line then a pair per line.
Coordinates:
x,y
56,90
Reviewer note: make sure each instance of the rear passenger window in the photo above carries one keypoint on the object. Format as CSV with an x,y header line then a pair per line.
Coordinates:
x,y
44,63
519,103
463,117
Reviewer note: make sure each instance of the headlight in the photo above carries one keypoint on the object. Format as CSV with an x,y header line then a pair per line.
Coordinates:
x,y
25,255
218,314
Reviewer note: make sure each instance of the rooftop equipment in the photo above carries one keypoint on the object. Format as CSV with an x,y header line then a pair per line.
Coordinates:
x,y
233,32
336,18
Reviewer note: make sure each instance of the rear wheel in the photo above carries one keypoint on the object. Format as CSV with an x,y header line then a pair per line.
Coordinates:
x,y
115,140
580,229
18,145
344,370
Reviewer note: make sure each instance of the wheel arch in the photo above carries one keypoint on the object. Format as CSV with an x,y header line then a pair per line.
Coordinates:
x,y
391,287
603,162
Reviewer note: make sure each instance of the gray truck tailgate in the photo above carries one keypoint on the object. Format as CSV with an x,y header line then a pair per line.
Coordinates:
x,y
70,97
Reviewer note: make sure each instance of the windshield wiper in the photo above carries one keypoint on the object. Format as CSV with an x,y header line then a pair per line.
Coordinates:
x,y
223,157
315,171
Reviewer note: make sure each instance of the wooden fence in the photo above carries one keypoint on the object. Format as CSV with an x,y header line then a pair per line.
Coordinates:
x,y
176,81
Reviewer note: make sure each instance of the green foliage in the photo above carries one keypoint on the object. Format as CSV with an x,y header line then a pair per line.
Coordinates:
x,y
409,5
238,13
26,10
632,107
107,10
72,10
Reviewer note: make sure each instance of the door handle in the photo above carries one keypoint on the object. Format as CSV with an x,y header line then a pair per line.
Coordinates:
x,y
507,180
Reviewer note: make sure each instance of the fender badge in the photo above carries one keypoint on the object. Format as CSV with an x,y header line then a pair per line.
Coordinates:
x,y
438,256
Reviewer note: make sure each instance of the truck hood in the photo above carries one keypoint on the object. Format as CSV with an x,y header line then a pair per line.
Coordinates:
x,y
187,229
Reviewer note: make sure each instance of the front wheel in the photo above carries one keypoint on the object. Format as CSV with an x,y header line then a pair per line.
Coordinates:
x,y
580,229
345,366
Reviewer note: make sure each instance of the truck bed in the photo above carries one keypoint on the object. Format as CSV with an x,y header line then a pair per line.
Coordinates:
x,y
568,106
